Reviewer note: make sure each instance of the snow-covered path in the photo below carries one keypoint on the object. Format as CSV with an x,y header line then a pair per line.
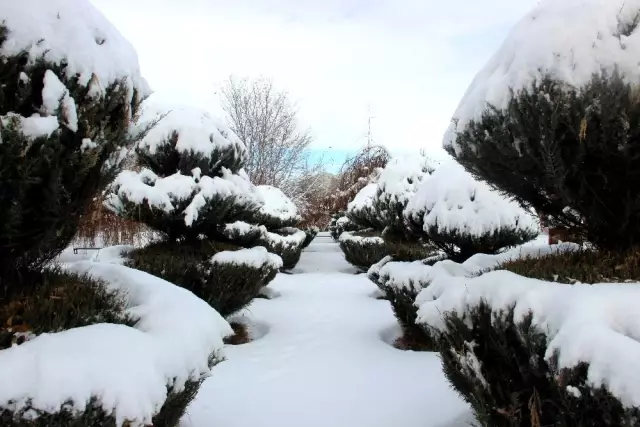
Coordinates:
x,y
323,360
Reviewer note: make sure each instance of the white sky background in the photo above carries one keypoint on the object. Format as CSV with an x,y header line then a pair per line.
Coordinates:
x,y
410,60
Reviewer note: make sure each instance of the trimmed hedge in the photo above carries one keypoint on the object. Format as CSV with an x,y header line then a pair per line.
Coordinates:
x,y
311,234
53,301
586,266
363,249
498,366
226,287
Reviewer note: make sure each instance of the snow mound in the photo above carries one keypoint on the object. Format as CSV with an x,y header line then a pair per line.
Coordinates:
x,y
594,324
256,257
127,369
76,33
277,204
364,198
602,36
198,131
451,200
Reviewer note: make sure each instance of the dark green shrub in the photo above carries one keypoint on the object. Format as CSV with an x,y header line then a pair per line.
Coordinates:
x,y
570,153
586,266
48,179
363,249
53,301
311,234
286,243
402,246
498,366
227,287
340,224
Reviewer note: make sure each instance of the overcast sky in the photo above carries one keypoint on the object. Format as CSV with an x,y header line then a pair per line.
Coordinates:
x,y
409,61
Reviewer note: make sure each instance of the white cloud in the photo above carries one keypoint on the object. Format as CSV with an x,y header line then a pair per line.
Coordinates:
x,y
411,60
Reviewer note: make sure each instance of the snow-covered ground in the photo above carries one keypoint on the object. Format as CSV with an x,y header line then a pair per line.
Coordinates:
x,y
321,358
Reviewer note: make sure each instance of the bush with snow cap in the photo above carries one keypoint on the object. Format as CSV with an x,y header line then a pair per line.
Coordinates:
x,y
463,217
191,180
552,118
70,89
278,211
190,187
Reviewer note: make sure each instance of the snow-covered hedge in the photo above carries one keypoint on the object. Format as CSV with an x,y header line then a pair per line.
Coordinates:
x,y
362,249
340,224
70,87
222,274
287,242
462,216
278,210
402,282
107,374
551,118
561,354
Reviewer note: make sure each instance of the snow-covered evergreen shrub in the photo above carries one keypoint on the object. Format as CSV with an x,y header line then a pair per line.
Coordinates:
x,y
70,88
401,282
68,95
311,234
362,249
278,210
287,243
397,183
341,223
54,301
190,187
462,217
552,119
361,210
524,352
191,182
224,276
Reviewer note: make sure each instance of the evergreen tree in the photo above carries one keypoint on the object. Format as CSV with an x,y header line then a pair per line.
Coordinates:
x,y
463,217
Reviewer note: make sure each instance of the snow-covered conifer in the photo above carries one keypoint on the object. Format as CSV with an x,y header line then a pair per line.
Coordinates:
x,y
552,118
463,217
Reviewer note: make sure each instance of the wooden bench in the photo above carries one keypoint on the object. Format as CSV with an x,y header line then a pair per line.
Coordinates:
x,y
75,250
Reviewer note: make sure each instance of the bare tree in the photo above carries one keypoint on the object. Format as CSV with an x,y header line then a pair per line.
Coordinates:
x,y
266,120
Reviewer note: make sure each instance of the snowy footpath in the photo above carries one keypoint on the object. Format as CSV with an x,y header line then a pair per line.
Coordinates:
x,y
321,357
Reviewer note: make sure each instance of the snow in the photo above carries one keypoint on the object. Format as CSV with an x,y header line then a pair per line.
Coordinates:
x,y
594,324
75,32
198,130
371,240
127,369
31,127
321,360
277,204
56,95
364,198
542,43
256,257
452,200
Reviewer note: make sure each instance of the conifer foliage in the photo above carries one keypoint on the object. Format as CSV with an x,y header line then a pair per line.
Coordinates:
x,y
189,185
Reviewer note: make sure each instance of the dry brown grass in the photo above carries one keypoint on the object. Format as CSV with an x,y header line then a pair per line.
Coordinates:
x,y
100,224
241,334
